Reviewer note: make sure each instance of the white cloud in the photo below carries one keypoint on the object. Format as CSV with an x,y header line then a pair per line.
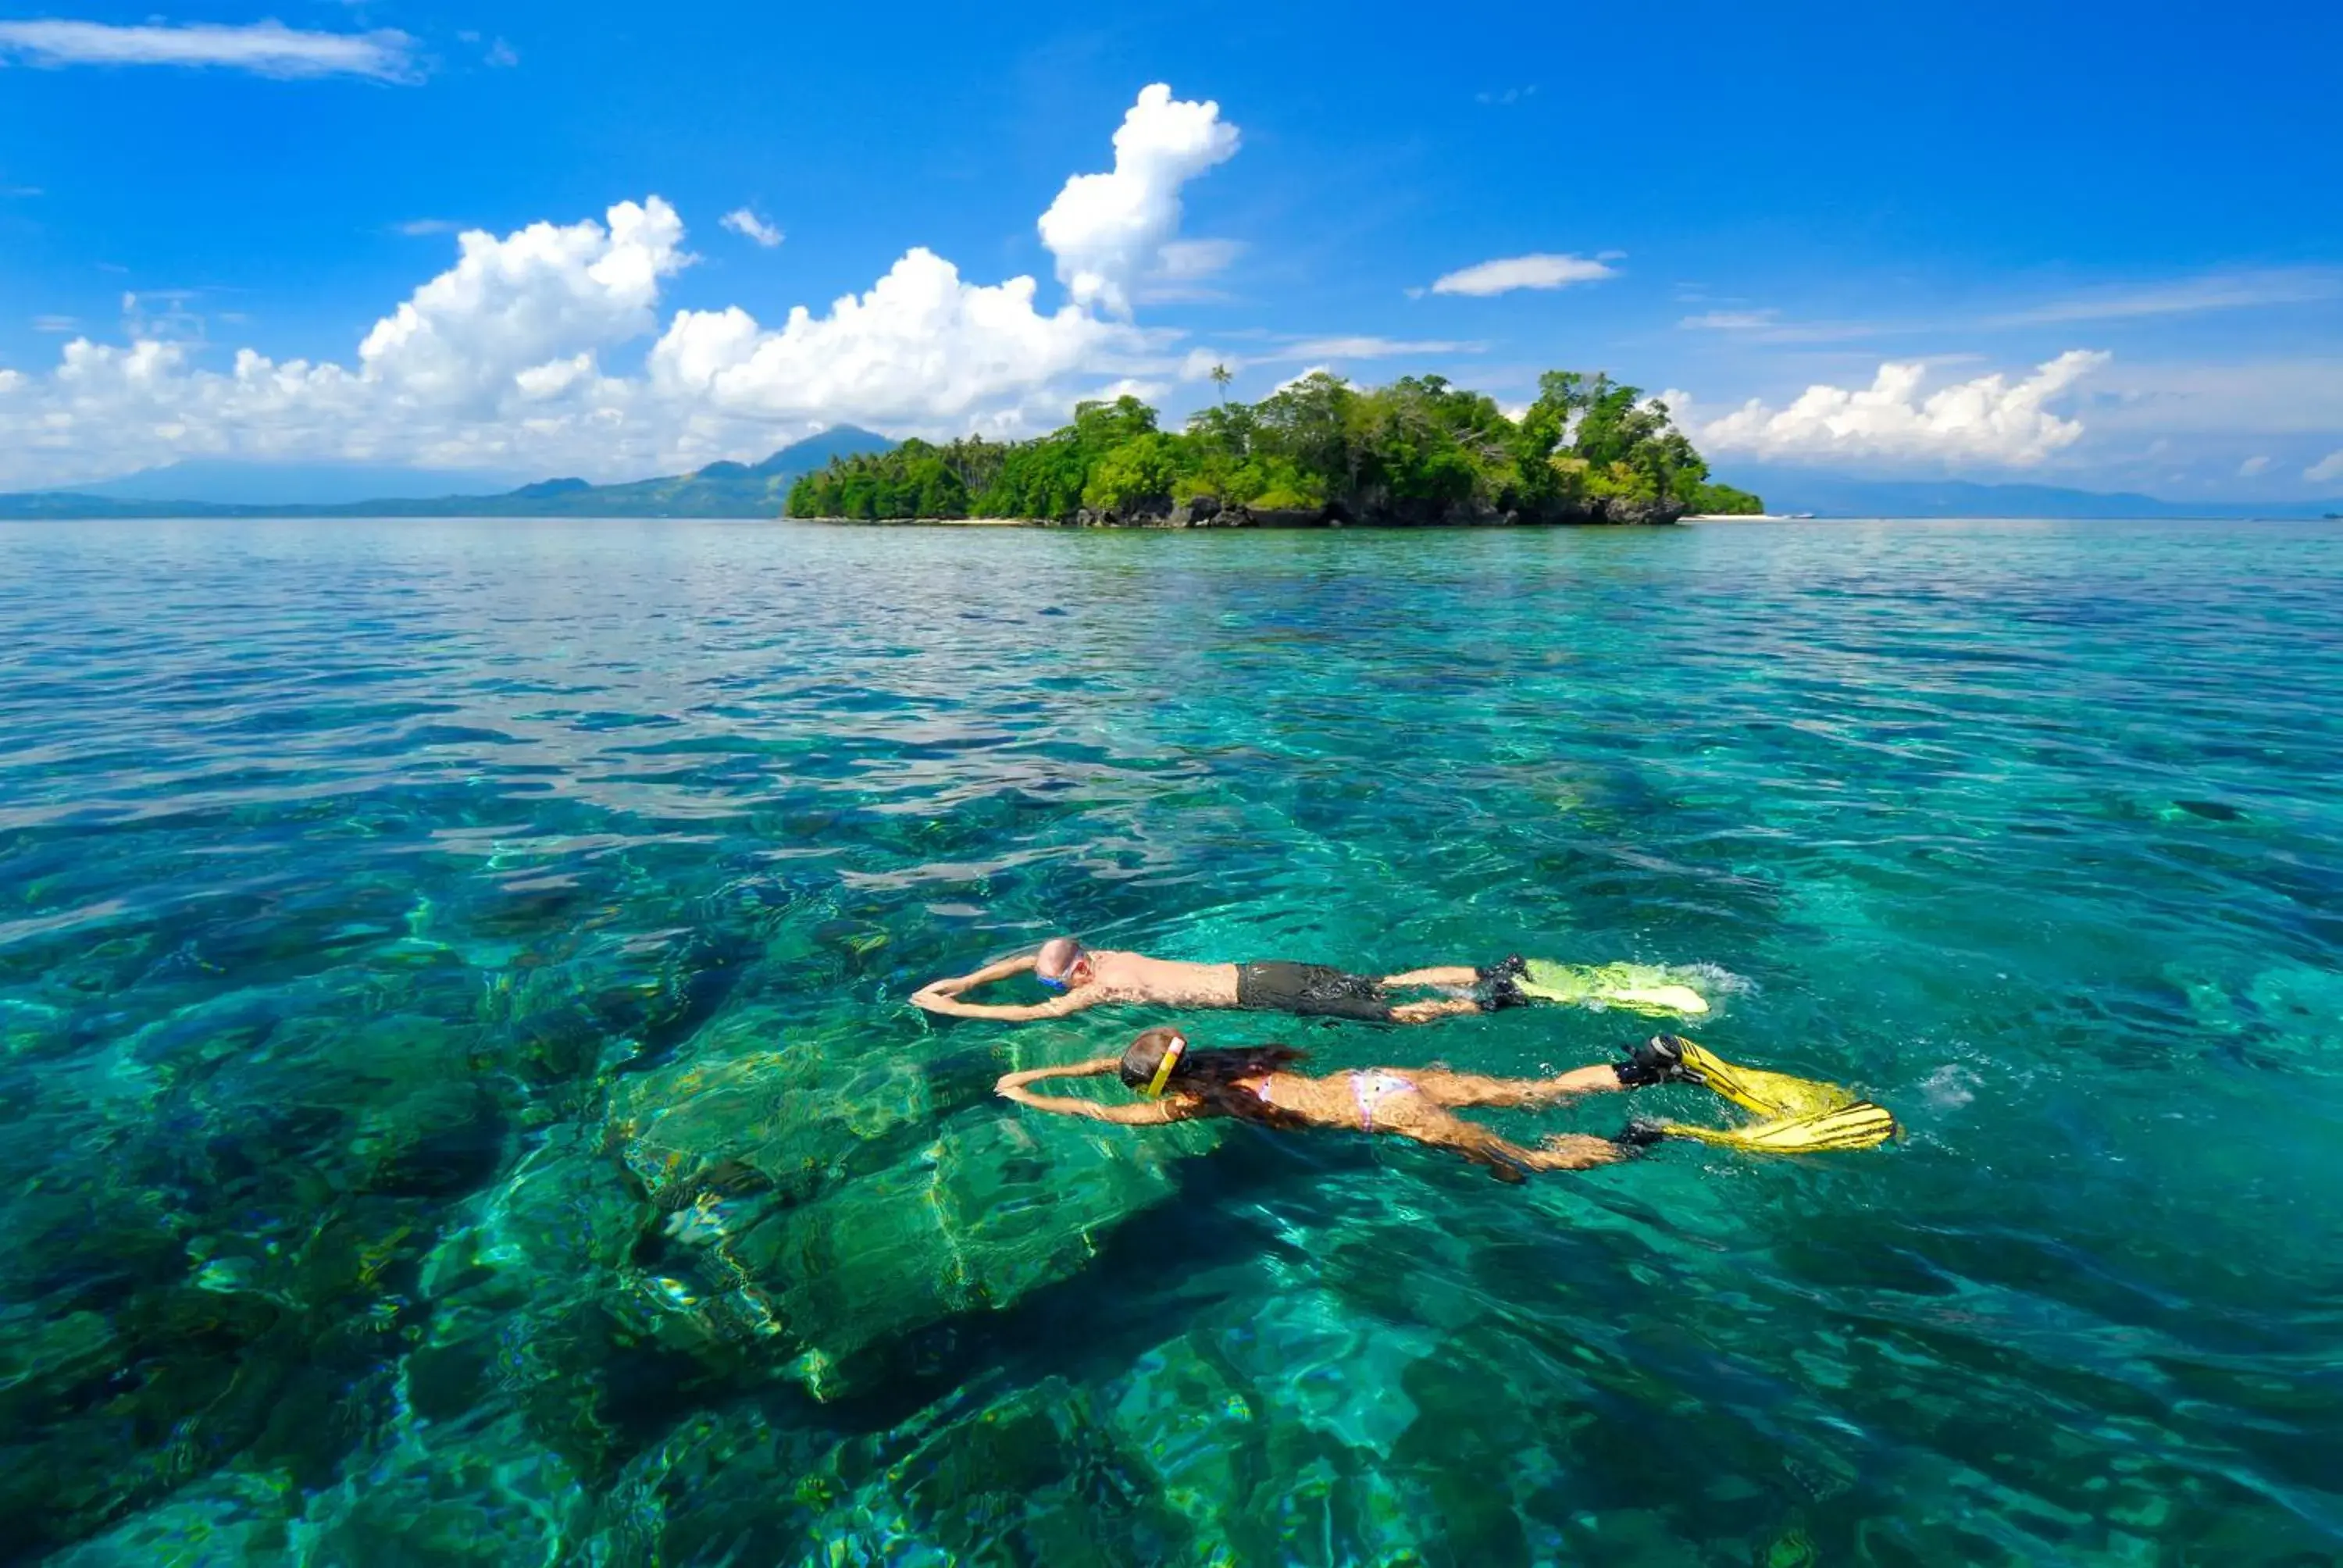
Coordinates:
x,y
1320,352
2330,467
1184,260
1768,327
2251,399
53,324
2251,466
1509,272
2215,291
749,225
1367,347
1182,267
422,227
1990,419
921,347
553,377
164,315
501,54
527,352
507,305
1109,231
264,48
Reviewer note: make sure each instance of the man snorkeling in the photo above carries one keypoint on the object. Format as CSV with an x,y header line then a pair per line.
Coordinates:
x,y
1182,1084
1086,977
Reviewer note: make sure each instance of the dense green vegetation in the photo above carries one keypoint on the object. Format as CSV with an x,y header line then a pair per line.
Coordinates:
x,y
1418,450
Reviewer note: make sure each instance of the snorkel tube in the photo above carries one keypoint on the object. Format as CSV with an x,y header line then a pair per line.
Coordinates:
x,y
1172,1052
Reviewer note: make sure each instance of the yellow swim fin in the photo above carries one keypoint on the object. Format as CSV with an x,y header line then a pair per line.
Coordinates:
x,y
1766,1093
1858,1125
1803,1116
1633,988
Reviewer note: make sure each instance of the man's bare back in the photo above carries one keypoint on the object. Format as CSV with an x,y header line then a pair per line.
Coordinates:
x,y
1167,982
1086,977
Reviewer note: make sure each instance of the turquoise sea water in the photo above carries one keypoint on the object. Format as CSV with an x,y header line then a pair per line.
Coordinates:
x,y
461,1106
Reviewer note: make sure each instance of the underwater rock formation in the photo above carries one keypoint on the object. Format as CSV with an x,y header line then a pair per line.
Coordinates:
x,y
820,1194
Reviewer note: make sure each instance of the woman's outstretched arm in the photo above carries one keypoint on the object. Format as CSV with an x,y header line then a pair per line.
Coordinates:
x,y
1151,1113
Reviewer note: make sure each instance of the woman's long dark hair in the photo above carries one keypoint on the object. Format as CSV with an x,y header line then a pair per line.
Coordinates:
x,y
1211,1077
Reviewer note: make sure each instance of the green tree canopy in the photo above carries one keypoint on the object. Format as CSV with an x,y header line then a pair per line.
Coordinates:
x,y
1419,449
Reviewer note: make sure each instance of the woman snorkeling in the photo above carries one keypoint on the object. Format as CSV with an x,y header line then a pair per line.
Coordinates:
x,y
1254,1084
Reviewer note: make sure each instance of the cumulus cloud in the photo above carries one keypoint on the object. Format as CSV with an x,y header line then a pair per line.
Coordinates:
x,y
2330,467
527,352
264,48
1200,363
1509,272
1110,231
508,305
921,347
2252,466
749,225
1990,419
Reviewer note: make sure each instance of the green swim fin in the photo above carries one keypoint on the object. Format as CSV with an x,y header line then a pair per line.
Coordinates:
x,y
1634,987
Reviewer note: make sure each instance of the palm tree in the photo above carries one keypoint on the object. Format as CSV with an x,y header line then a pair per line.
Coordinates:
x,y
1222,376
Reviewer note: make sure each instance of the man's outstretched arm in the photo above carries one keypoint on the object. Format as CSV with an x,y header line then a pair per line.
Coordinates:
x,y
943,996
952,1007
934,991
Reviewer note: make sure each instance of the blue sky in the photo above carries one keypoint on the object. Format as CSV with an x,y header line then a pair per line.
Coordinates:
x,y
2083,245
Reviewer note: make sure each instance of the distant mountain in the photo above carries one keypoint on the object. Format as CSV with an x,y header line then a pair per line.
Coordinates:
x,y
1837,496
718,490
757,489
221,482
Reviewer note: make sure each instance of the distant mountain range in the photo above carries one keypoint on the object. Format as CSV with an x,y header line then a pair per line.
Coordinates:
x,y
205,489
1836,496
718,490
225,482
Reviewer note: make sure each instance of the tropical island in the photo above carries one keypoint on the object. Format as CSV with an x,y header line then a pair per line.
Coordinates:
x,y
1317,452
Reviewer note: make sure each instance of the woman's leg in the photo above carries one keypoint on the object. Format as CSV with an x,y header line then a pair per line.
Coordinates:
x,y
1442,1087
1429,1124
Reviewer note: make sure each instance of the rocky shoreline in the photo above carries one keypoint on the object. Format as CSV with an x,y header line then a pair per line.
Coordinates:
x,y
1207,512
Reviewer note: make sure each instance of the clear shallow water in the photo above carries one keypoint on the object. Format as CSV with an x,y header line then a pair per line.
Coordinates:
x,y
463,1110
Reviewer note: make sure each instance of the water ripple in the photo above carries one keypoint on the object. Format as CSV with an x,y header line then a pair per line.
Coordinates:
x,y
451,1023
